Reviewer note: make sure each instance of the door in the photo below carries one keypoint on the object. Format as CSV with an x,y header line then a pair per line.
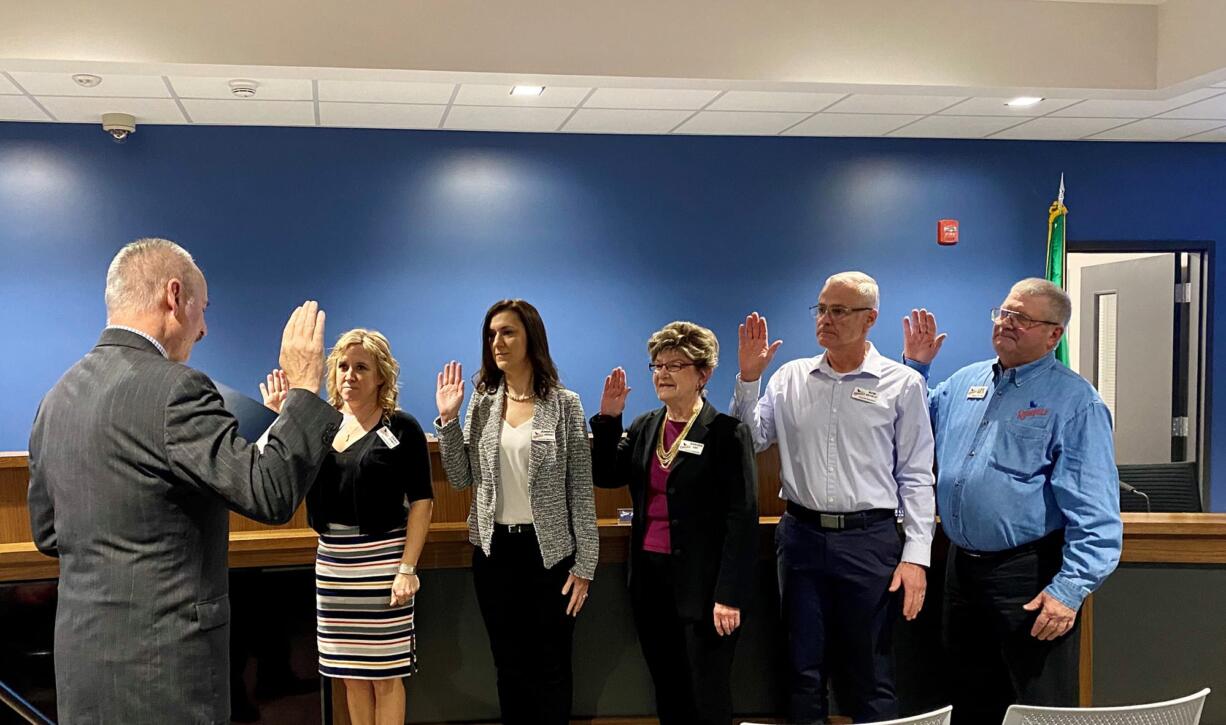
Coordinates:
x,y
1127,334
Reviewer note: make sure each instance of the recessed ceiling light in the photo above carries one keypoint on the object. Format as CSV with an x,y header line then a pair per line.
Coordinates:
x,y
527,90
1024,101
85,80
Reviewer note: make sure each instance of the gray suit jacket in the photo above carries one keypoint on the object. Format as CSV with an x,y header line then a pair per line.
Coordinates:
x,y
559,474
133,465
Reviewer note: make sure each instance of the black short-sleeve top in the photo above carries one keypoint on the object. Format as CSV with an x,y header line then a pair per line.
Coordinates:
x,y
370,483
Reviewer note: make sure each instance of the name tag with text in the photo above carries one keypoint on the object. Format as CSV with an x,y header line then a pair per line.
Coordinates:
x,y
691,447
388,437
864,395
977,392
542,435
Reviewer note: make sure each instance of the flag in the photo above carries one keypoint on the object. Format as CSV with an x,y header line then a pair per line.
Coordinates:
x,y
1056,256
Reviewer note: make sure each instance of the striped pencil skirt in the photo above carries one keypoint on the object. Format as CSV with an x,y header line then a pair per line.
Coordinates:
x,y
358,634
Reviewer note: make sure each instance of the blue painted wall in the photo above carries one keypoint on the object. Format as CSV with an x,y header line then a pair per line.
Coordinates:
x,y
416,233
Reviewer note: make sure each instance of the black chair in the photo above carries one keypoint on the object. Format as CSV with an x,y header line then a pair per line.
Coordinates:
x,y
1170,487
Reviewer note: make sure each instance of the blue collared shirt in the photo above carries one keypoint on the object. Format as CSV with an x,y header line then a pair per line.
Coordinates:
x,y
849,441
1023,452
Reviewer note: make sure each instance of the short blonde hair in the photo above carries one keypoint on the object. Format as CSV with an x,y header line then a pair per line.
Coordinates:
x,y
138,274
374,343
694,341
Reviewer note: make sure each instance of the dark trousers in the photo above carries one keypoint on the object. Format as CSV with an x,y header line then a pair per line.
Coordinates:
x,y
530,633
690,663
994,661
839,613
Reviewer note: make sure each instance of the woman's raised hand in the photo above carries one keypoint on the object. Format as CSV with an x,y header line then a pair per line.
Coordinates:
x,y
613,399
274,389
449,395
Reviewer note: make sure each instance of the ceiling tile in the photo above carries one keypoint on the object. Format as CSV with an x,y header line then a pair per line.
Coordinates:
x,y
658,98
740,123
1217,134
20,108
1099,108
955,127
873,103
850,124
90,110
268,89
380,115
1210,108
995,106
385,91
7,87
1059,129
505,118
1157,129
773,101
251,112
610,120
477,94
112,85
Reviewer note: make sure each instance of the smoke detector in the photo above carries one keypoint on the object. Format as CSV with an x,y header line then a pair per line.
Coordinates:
x,y
85,80
243,88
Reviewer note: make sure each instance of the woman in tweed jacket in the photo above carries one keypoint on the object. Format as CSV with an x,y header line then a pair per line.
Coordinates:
x,y
524,447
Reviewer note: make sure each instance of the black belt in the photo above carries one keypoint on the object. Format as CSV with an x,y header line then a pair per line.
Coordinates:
x,y
839,522
1053,540
514,529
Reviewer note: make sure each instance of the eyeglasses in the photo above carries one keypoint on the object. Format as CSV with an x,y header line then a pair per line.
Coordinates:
x,y
836,312
1000,316
673,367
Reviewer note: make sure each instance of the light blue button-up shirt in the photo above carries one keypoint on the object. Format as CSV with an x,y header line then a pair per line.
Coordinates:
x,y
849,441
1023,452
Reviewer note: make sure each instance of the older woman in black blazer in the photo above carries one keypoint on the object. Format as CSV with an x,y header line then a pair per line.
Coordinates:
x,y
693,479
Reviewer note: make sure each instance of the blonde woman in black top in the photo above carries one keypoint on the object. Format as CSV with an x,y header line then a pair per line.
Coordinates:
x,y
366,564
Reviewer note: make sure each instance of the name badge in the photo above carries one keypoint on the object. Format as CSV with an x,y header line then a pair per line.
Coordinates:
x,y
542,435
388,437
691,447
864,395
977,392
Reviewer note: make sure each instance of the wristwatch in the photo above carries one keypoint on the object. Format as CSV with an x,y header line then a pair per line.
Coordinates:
x,y
408,569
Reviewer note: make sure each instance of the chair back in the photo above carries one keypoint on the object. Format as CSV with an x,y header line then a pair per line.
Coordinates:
x,y
1184,711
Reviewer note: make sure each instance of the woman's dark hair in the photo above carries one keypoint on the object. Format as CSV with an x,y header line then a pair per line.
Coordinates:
x,y
544,372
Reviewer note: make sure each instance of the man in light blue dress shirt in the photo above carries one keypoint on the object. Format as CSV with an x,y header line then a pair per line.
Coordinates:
x,y
1029,497
855,444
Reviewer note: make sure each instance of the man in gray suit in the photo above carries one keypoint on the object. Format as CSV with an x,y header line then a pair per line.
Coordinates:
x,y
133,465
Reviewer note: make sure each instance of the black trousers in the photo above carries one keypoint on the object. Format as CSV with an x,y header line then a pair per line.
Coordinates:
x,y
839,614
994,661
530,633
690,663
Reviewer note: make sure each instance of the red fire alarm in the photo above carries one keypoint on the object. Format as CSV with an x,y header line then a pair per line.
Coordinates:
x,y
947,232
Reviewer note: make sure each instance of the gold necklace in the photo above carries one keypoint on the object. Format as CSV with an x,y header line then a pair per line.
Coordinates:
x,y
666,456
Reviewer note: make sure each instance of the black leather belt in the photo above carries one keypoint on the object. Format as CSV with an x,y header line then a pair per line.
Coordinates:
x,y
1054,540
839,522
514,528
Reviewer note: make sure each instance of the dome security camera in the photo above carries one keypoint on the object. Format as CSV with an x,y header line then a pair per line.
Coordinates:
x,y
119,125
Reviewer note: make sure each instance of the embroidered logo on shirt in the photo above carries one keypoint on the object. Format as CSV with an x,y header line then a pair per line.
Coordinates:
x,y
1031,412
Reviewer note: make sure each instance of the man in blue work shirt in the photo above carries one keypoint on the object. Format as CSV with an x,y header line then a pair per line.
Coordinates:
x,y
855,445
1028,495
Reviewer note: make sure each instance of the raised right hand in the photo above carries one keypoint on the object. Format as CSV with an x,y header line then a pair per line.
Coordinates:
x,y
754,351
302,347
274,389
613,399
449,394
920,341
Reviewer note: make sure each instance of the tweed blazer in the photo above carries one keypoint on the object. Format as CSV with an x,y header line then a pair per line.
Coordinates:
x,y
559,474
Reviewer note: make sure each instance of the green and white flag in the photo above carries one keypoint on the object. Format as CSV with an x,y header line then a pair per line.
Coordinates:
x,y
1056,256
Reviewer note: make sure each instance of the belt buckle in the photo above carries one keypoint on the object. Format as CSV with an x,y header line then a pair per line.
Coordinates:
x,y
516,528
830,521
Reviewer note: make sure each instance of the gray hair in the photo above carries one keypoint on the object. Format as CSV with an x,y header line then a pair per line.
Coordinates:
x,y
864,285
1057,299
139,272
